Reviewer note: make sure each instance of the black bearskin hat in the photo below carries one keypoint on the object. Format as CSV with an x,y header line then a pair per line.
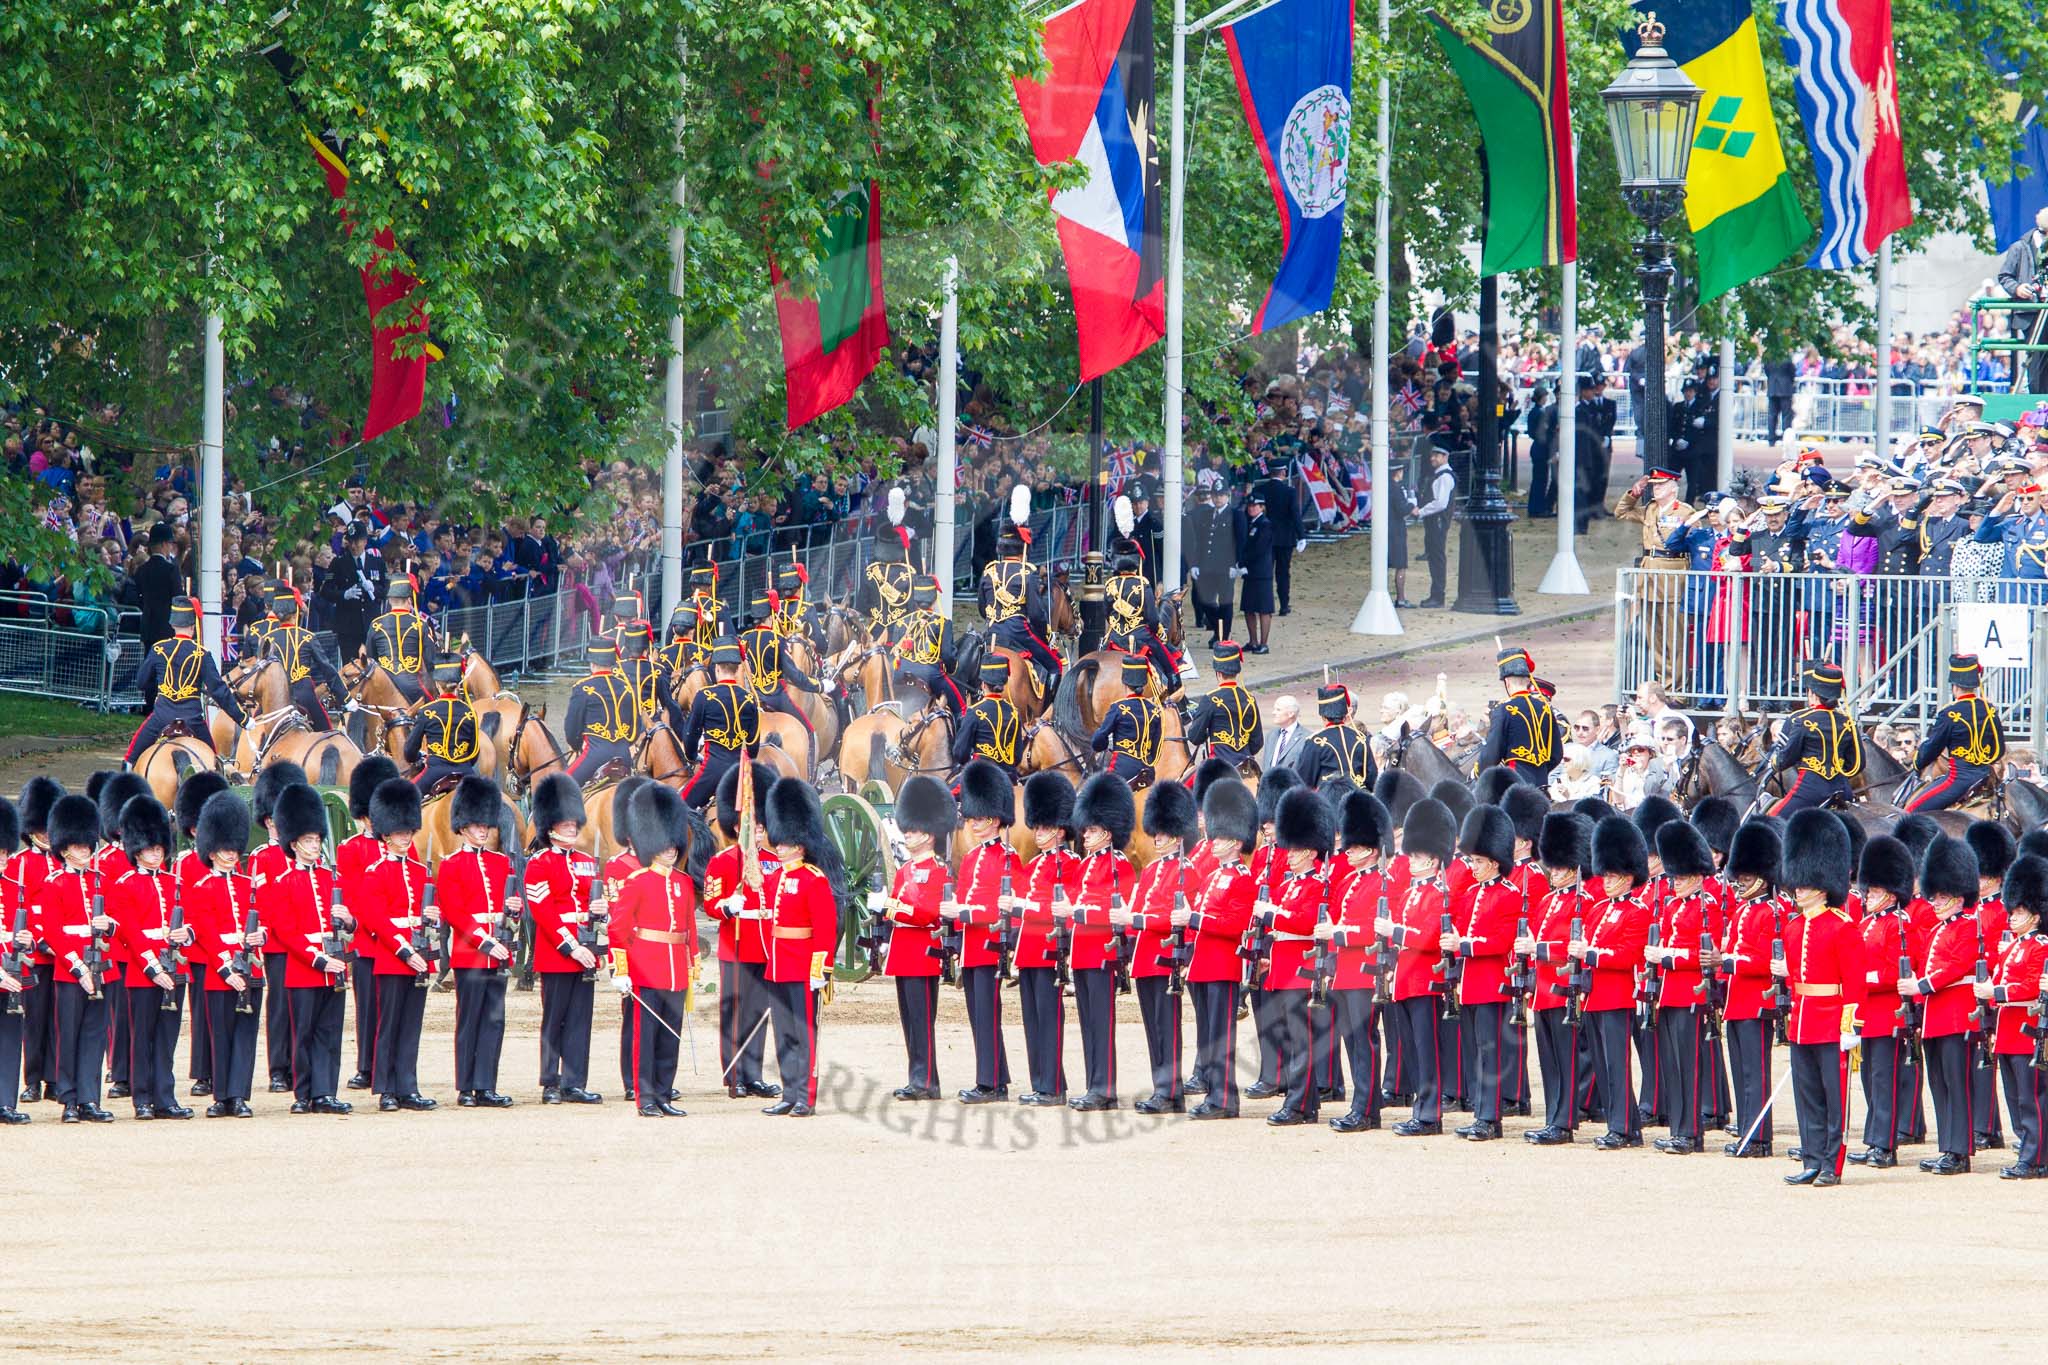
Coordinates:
x,y
1526,806
38,794
74,820
622,806
370,774
115,794
1994,846
144,823
1363,823
726,802
10,828
298,811
925,806
986,793
2034,841
1048,801
1304,820
1758,851
1887,866
1916,832
1430,830
1593,808
476,802
199,788
1488,833
556,798
2026,886
1397,791
1683,850
1857,839
1949,868
96,782
1208,773
271,779
1716,818
1652,815
1454,797
395,809
1566,840
1495,783
1273,786
1817,854
1230,811
224,824
1170,812
1106,801
794,816
1618,847
658,821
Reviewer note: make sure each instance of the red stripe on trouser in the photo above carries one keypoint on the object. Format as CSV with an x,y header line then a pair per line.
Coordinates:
x,y
128,756
811,1048
1898,1052
1788,793
1924,797
1842,1146
639,1010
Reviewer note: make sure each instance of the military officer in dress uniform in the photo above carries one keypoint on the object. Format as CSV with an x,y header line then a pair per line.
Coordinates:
x,y
803,895
723,720
924,647
1949,882
1105,814
305,662
769,667
446,735
479,898
742,918
217,905
567,901
1823,966
704,612
1171,824
1133,606
1414,927
883,596
992,728
796,617
1336,750
1131,729
69,915
1820,742
403,932
175,673
1941,530
310,929
1217,923
639,666
1891,1075
1661,514
1522,734
1966,733
1227,720
1305,828
1564,853
1051,881
989,872
1612,952
400,642
145,903
912,958
2014,992
603,720
657,912
1013,595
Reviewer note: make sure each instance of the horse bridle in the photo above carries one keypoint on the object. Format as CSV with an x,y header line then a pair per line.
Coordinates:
x,y
1073,755
512,764
908,738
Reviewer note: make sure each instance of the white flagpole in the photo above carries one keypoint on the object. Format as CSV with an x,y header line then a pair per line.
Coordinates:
x,y
1172,493
949,457
1565,578
672,470
1377,616
1725,417
213,437
1883,429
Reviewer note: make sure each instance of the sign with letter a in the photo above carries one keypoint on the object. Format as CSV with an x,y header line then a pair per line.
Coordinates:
x,y
1998,633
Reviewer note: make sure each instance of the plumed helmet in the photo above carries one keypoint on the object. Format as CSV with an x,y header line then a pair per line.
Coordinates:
x,y
298,812
1916,832
1716,818
1048,801
224,824
1170,812
1593,808
1526,806
924,805
1305,821
1887,866
38,794
1683,850
143,823
115,794
1495,783
476,802
657,821
1566,840
1430,830
1273,786
395,809
556,798
1105,802
200,787
1653,814
1994,846
986,792
74,822
271,779
1949,868
1397,790
1817,854
372,773
1455,797
1231,812
1618,849
1488,833
1362,822
2026,886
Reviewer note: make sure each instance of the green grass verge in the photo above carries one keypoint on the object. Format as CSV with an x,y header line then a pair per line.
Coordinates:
x,y
41,717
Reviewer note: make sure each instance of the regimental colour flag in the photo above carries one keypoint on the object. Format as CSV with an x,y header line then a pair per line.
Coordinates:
x,y
830,343
1840,52
1293,65
2015,200
1515,79
1739,201
1095,106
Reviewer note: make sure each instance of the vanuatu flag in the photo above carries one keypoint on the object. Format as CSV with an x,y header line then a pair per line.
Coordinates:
x,y
1744,213
832,341
1515,79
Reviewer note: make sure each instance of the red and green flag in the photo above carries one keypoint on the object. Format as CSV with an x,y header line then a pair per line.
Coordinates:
x,y
831,342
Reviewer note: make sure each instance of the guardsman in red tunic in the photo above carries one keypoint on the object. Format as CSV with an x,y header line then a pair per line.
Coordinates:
x,y
2015,992
316,965
479,900
1167,882
1824,967
1106,815
1613,952
1429,840
1683,917
193,794
1948,879
567,902
1651,815
266,865
116,790
1051,880
29,869
15,973
352,862
1357,899
990,870
401,938
742,917
617,869
1526,806
804,895
1995,848
1756,921
912,954
1558,915
1891,1077
658,913
144,903
1485,916
1218,921
1305,830
219,907
1201,858
1269,870
69,916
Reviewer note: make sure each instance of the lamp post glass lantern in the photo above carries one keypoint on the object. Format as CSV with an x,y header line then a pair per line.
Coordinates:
x,y
1651,109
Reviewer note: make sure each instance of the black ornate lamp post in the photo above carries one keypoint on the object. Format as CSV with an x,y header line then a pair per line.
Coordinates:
x,y
1651,109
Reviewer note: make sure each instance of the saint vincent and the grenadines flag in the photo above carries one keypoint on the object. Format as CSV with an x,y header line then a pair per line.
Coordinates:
x,y
1739,201
1515,79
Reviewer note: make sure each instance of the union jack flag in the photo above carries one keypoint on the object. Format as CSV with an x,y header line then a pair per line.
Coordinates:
x,y
980,437
1123,467
1410,399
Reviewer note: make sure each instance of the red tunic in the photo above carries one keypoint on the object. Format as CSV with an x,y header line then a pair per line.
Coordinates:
x,y
1304,898
469,891
217,906
1218,922
303,906
1752,926
352,860
1948,974
1619,931
741,937
1487,915
2015,985
140,903
658,914
1360,898
913,948
1103,875
1159,886
806,921
1888,936
978,889
393,890
1825,955
1680,922
112,864
1054,867
62,918
265,866
30,868
559,882
1551,927
1418,933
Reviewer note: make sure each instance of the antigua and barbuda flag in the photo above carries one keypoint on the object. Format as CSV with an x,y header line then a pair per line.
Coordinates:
x,y
1095,106
1840,52
1293,65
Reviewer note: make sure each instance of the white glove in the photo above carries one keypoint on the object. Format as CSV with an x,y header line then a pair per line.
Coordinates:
x,y
1193,572
1699,421
352,595
1300,545
624,985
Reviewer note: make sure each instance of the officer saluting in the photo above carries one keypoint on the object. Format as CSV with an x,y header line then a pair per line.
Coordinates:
x,y
1820,742
174,673
603,721
1227,720
1522,736
1013,596
1967,733
400,641
446,734
991,728
305,661
723,720
1336,750
1131,728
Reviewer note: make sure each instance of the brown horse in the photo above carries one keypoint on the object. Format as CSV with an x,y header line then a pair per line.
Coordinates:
x,y
382,707
170,761
864,749
479,679
276,732
662,757
788,734
532,752
437,838
817,708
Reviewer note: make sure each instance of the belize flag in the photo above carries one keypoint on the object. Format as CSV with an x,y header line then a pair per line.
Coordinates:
x,y
1095,107
1840,52
1293,65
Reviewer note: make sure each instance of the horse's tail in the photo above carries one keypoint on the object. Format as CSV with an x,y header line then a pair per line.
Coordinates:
x,y
1066,702
701,847
181,762
357,727
329,768
878,754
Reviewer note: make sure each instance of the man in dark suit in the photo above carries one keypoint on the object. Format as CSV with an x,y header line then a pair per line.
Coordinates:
x,y
1595,413
156,584
1780,379
2021,275
1283,514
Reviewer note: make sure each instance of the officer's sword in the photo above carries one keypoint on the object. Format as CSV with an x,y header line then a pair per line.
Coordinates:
x,y
1743,1145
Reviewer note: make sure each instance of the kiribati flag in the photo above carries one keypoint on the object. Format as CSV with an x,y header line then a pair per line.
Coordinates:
x,y
1293,64
1840,52
1096,107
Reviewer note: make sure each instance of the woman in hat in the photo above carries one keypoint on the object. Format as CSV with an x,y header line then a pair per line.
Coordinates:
x,y
1255,567
1642,772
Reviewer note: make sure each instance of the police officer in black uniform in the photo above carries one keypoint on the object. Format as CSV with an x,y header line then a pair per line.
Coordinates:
x,y
723,720
175,671
305,662
604,717
1013,595
445,736
401,642
992,728
1967,733
1336,750
768,666
925,649
353,587
1227,720
1522,735
1131,729
1820,741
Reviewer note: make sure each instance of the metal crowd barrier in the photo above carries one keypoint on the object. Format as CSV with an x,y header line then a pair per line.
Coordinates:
x,y
68,650
1834,409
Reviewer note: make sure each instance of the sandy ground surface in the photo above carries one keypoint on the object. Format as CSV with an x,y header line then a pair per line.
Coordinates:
x,y
944,1231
